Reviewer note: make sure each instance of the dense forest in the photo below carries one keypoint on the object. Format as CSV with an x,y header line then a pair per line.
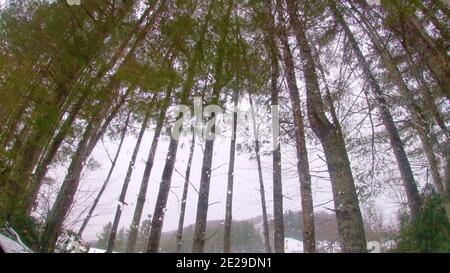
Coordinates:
x,y
332,115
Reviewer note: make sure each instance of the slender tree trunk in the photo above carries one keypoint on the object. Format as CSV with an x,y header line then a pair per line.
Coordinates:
x,y
348,213
412,192
229,195
27,157
432,111
203,197
436,115
151,24
420,123
262,191
35,184
166,179
184,196
184,97
161,201
278,213
194,60
118,214
108,177
65,198
440,63
302,153
140,202
30,152
44,164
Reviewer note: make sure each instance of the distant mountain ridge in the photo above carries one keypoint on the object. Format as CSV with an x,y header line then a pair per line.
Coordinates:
x,y
246,235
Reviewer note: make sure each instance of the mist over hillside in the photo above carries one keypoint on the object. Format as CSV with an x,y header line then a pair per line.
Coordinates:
x,y
246,235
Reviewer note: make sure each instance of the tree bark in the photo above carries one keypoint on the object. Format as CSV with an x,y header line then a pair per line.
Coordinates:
x,y
194,60
65,198
118,214
108,177
229,195
348,213
406,173
278,213
184,196
203,197
42,168
134,228
262,191
419,123
161,201
415,35
309,241
30,151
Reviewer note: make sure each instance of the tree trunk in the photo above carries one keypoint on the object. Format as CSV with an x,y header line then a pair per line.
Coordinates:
x,y
30,150
302,153
118,214
44,164
11,126
65,198
43,167
203,197
278,213
348,213
433,55
262,192
412,192
194,61
184,196
27,157
419,120
29,153
229,195
108,177
134,228
434,113
439,63
161,201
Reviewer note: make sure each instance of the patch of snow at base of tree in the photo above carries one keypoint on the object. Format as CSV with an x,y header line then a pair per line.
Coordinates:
x,y
98,250
293,246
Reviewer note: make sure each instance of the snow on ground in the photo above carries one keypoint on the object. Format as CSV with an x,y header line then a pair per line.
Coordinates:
x,y
97,250
293,246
